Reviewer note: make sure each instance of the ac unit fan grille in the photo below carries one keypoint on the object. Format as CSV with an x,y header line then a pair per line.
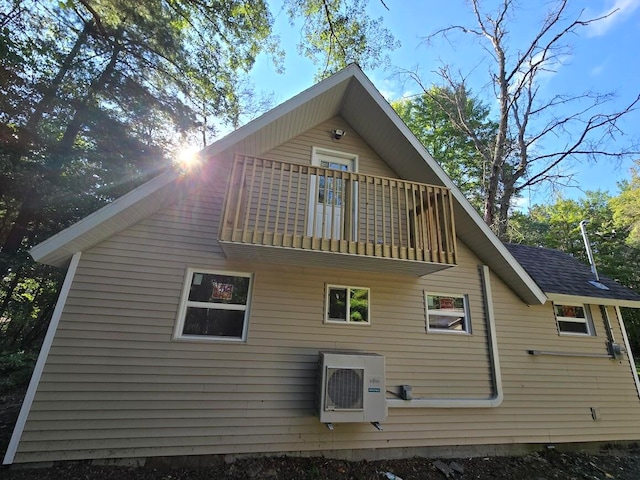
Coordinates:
x,y
344,389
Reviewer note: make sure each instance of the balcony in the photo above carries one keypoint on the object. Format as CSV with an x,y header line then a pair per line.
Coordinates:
x,y
313,216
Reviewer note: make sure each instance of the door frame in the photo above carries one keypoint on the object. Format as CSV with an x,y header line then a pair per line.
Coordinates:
x,y
316,153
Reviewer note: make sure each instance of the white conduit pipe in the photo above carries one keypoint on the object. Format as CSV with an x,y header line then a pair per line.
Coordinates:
x,y
498,395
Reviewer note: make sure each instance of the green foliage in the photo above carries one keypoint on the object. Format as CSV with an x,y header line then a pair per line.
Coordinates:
x,y
95,98
626,207
359,305
339,32
27,296
429,117
15,369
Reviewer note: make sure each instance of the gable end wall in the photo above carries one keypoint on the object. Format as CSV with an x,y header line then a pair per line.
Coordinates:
x,y
116,385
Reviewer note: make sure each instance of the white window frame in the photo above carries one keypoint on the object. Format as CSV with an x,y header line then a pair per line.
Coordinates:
x,y
467,316
588,321
185,303
347,321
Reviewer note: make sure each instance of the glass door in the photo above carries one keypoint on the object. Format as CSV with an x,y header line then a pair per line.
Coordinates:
x,y
329,195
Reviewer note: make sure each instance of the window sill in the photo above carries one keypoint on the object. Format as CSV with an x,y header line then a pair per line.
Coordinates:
x,y
449,332
205,339
350,324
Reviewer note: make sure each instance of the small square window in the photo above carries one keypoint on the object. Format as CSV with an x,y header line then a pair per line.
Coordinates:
x,y
573,319
214,306
349,305
447,313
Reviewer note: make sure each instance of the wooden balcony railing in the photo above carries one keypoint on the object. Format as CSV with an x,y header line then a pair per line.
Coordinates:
x,y
280,204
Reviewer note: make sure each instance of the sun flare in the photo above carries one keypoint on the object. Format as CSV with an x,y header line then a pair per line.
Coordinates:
x,y
188,158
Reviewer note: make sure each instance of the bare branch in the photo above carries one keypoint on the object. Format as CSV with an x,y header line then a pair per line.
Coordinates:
x,y
524,119
594,123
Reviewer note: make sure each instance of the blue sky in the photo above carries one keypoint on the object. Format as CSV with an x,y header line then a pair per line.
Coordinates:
x,y
604,58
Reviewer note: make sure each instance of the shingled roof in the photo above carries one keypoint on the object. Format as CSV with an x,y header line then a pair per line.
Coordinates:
x,y
557,272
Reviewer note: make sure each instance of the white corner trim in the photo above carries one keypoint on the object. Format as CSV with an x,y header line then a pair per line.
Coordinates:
x,y
42,359
627,347
498,394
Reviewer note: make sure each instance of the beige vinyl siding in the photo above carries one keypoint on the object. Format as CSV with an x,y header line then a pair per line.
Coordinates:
x,y
299,149
117,385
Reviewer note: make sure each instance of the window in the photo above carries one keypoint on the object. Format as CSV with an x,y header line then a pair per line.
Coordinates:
x,y
349,305
573,319
447,313
214,306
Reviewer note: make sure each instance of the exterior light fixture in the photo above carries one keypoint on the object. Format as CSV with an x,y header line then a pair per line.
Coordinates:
x,y
338,134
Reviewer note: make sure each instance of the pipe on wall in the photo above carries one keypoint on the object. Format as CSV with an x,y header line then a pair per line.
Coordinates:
x,y
494,400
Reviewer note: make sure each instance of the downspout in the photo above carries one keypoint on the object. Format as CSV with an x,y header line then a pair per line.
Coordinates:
x,y
498,395
42,359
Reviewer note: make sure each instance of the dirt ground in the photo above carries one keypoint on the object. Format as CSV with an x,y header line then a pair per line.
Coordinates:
x,y
546,465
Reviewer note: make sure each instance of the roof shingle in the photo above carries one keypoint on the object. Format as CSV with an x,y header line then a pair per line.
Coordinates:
x,y
559,272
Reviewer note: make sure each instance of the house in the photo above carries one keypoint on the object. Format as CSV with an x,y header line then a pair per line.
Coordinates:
x,y
197,309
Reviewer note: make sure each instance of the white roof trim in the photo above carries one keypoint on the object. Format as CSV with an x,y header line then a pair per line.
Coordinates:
x,y
57,244
438,170
564,298
289,105
59,240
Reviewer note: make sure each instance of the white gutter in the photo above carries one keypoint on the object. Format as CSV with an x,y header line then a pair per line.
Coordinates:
x,y
42,359
491,402
613,302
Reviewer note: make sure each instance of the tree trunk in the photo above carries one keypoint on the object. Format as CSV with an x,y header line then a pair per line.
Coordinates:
x,y
51,91
491,194
503,212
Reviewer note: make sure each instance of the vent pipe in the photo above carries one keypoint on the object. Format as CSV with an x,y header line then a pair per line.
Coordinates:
x,y
615,351
587,245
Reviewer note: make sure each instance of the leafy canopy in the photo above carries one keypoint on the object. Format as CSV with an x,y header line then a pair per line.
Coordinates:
x,y
429,116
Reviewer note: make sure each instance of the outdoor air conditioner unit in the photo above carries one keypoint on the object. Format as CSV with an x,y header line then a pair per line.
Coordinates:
x,y
351,388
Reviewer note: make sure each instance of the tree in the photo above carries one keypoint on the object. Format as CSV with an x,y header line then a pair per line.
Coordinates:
x,y
336,33
626,207
534,134
429,118
94,98
128,71
90,93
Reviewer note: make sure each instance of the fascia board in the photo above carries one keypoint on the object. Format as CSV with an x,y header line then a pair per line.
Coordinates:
x,y
53,244
279,111
94,220
537,294
560,298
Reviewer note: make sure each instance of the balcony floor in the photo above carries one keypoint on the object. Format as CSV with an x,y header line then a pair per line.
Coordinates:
x,y
329,259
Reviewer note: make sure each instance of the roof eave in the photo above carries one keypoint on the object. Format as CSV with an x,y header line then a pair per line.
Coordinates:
x,y
476,234
58,249
565,298
509,268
